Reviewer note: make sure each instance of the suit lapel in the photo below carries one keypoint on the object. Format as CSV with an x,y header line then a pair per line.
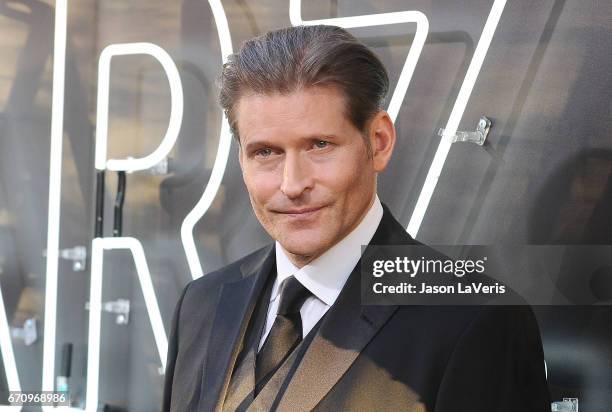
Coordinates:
x,y
237,301
344,333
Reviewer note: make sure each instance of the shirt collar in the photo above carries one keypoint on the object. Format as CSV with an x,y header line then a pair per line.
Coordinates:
x,y
326,275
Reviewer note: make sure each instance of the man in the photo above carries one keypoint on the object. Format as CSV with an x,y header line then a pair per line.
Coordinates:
x,y
284,328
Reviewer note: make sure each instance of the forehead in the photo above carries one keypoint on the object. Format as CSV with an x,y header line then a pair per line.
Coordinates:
x,y
304,112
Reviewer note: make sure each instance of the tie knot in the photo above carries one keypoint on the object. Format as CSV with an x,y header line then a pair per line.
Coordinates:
x,y
292,296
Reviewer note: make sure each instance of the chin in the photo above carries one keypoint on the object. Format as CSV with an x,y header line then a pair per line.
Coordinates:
x,y
300,250
304,247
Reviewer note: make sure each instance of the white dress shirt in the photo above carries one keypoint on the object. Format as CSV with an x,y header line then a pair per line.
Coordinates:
x,y
326,275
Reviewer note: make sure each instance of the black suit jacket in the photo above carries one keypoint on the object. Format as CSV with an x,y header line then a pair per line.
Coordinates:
x,y
362,358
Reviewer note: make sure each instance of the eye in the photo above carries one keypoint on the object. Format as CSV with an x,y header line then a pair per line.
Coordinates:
x,y
263,152
321,144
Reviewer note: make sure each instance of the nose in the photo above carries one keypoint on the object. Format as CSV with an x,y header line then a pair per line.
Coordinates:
x,y
297,176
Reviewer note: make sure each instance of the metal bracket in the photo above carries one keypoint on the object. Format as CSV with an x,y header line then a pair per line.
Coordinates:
x,y
162,168
479,136
77,254
119,307
28,332
567,405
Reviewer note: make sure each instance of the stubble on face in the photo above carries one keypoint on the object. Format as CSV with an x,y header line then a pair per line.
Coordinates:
x,y
306,168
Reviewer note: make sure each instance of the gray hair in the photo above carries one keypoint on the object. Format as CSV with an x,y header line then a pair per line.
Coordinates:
x,y
289,59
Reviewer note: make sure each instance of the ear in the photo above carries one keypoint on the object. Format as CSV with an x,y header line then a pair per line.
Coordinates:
x,y
382,139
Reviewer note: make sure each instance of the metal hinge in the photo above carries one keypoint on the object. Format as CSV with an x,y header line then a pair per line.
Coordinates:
x,y
28,332
77,254
479,136
566,405
119,307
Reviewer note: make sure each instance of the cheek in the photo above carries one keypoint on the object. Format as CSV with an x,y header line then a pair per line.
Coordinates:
x,y
261,186
347,174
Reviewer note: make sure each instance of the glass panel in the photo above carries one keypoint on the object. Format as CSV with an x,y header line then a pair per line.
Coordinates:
x,y
543,176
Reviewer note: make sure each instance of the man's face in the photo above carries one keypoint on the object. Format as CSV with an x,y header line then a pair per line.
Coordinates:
x,y
306,168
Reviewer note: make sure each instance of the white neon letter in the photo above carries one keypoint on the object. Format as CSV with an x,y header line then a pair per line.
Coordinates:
x,y
55,180
455,117
382,19
99,244
8,356
176,110
95,308
225,140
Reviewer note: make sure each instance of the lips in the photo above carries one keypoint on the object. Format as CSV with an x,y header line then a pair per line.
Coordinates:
x,y
304,212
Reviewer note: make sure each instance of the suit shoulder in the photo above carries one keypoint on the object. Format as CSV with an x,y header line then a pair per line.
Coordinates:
x,y
458,320
212,281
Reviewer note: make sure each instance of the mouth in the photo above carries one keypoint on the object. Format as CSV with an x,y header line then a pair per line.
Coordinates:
x,y
301,213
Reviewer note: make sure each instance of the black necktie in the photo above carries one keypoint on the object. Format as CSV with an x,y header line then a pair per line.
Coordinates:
x,y
286,331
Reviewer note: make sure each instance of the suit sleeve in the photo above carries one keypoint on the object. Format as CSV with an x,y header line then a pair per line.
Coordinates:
x,y
497,365
173,343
